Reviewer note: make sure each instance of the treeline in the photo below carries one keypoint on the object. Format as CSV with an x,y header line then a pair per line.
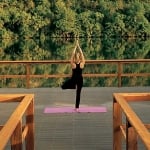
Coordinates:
x,y
74,18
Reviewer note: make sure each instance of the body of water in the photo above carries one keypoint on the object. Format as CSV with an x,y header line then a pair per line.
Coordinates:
x,y
61,49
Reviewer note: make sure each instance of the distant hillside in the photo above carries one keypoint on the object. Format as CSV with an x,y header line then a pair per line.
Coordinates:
x,y
72,18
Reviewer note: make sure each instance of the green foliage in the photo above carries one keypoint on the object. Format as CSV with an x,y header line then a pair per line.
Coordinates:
x,y
136,22
64,18
26,28
90,23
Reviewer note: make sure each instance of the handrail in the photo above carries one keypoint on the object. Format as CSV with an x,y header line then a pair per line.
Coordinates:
x,y
134,126
119,74
68,61
14,130
87,61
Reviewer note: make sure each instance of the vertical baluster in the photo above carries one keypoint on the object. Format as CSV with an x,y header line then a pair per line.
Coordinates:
x,y
16,138
30,124
131,141
117,136
119,74
28,75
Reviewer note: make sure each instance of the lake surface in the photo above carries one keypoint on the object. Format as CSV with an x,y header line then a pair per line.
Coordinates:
x,y
61,49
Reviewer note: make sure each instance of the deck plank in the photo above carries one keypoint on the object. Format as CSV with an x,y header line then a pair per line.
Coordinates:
x,y
75,131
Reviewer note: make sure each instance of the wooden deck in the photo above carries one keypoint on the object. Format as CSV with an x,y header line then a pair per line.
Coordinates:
x,y
75,131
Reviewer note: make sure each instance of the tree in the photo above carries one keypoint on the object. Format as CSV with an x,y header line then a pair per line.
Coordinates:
x,y
136,22
64,20
90,23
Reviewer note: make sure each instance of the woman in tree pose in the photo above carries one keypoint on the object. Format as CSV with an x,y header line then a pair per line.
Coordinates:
x,y
76,81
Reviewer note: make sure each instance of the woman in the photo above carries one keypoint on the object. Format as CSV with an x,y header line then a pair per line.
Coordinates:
x,y
76,81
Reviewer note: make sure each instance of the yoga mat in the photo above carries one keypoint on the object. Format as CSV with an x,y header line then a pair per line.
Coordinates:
x,y
86,109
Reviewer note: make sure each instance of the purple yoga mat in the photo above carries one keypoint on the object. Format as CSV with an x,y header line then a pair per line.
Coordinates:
x,y
87,109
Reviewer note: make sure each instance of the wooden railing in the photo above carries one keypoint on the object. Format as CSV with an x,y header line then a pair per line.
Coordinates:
x,y
134,127
14,129
119,74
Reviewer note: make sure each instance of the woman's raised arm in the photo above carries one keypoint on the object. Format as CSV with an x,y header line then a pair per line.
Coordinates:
x,y
81,53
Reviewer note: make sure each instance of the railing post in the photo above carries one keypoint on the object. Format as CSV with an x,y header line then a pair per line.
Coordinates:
x,y
16,139
28,75
119,74
117,137
30,125
131,141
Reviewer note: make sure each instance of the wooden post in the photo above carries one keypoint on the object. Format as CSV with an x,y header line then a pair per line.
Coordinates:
x,y
119,74
117,136
30,125
28,75
134,126
16,138
131,141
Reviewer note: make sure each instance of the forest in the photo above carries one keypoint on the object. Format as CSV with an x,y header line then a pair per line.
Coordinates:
x,y
74,18
47,29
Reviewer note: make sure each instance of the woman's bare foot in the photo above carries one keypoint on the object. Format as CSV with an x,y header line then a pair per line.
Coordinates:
x,y
77,109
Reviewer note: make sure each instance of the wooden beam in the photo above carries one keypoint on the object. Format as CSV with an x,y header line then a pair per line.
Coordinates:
x,y
10,126
30,125
117,137
68,61
11,97
136,96
16,138
135,122
131,137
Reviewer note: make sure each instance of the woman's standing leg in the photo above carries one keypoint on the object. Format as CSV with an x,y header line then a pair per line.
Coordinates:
x,y
78,92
